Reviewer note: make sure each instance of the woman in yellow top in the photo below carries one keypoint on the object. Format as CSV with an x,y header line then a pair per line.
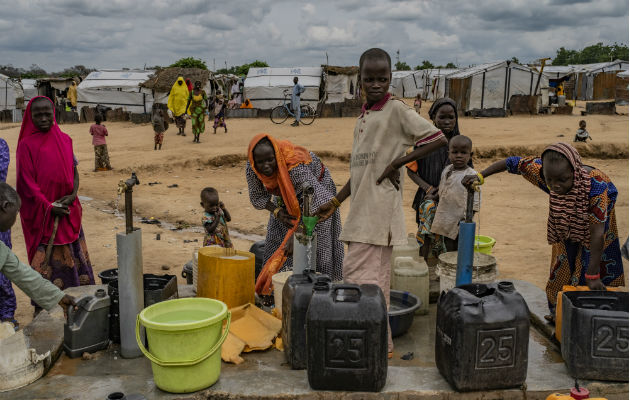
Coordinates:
x,y
198,103
72,96
177,103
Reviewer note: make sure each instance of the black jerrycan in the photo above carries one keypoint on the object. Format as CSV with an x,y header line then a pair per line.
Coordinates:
x,y
296,296
346,336
595,335
482,337
87,329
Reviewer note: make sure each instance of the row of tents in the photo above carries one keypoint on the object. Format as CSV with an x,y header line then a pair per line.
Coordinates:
x,y
485,86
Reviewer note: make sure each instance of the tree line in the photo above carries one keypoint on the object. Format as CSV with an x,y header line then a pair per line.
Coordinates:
x,y
588,55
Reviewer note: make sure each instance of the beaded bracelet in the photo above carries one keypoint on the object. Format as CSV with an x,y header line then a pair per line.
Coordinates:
x,y
592,277
481,180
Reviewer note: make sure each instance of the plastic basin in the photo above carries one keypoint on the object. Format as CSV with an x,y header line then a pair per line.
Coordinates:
x,y
108,275
484,244
402,307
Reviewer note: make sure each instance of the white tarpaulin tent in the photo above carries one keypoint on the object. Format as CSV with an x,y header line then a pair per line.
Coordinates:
x,y
116,89
341,83
492,85
264,86
428,83
396,85
30,89
11,97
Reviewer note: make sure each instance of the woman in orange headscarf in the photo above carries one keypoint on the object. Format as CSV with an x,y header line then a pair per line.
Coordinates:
x,y
276,171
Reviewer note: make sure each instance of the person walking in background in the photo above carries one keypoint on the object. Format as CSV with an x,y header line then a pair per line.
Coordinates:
x,y
101,156
219,113
8,302
72,95
298,89
417,103
197,107
177,100
160,125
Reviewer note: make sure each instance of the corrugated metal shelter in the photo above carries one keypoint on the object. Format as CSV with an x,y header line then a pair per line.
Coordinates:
x,y
265,87
621,89
30,89
116,89
590,81
491,85
341,83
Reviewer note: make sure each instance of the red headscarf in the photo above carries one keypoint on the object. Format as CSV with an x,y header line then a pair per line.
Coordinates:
x,y
288,156
568,213
45,173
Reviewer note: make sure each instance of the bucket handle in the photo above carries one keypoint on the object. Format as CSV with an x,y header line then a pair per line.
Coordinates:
x,y
162,363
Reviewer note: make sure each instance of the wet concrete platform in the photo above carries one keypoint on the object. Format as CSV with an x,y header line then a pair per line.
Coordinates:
x,y
265,375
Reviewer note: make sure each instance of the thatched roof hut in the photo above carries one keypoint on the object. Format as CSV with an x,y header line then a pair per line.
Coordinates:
x,y
164,78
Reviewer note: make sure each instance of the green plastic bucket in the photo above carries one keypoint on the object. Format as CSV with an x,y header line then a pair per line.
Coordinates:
x,y
484,244
185,339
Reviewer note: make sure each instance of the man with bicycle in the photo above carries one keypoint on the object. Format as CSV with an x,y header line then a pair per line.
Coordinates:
x,y
298,89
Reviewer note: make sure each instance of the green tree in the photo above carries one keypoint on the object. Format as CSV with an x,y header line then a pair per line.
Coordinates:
x,y
402,66
515,60
591,54
450,65
242,70
426,64
190,62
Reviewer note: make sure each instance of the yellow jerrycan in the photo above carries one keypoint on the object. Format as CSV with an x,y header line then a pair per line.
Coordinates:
x,y
226,275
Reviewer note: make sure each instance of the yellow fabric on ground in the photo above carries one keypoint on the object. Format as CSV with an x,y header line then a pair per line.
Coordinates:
x,y
251,329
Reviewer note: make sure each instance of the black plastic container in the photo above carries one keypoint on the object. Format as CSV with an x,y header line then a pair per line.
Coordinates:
x,y
157,288
108,275
482,337
296,296
187,273
87,328
258,250
595,335
346,336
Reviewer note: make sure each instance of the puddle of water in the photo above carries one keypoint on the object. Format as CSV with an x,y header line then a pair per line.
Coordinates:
x,y
541,350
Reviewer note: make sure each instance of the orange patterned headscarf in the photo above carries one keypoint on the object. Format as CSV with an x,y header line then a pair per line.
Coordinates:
x,y
288,156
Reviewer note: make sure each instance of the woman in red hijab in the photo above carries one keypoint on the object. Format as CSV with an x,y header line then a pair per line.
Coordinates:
x,y
47,182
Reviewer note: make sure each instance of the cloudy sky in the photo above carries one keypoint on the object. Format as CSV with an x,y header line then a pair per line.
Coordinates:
x,y
131,33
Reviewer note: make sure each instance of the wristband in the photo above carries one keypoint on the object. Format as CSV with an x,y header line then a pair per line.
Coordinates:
x,y
276,211
429,189
335,202
592,277
481,180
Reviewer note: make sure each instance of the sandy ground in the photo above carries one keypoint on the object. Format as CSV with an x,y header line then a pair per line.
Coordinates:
x,y
513,211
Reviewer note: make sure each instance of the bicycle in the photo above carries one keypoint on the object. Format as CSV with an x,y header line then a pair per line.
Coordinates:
x,y
280,113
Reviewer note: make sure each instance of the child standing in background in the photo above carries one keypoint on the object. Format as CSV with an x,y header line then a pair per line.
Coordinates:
x,y
452,195
385,130
417,103
219,114
101,157
215,219
159,127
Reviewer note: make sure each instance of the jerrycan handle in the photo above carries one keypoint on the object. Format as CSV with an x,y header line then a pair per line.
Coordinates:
x,y
81,302
350,287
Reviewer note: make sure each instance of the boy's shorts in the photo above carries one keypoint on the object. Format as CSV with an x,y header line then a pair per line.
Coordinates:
x,y
370,264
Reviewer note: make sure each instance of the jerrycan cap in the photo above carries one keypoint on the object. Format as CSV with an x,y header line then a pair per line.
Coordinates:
x,y
100,293
321,284
506,286
579,393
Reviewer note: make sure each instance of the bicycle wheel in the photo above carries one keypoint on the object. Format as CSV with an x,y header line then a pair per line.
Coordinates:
x,y
307,114
278,115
